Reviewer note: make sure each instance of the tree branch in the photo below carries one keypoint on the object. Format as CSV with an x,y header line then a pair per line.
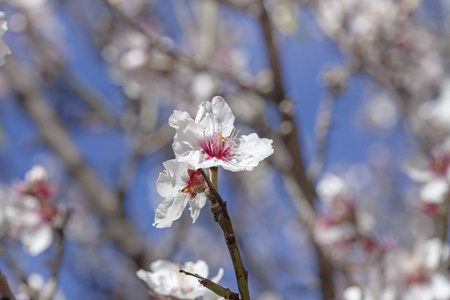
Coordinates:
x,y
214,287
5,290
220,212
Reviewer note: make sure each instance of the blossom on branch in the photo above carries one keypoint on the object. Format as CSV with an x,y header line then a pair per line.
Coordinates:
x,y
30,214
433,173
179,185
211,140
165,279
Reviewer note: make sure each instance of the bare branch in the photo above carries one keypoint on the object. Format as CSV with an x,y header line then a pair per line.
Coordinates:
x,y
214,287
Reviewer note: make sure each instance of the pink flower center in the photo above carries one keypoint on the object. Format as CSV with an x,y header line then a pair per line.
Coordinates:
x,y
47,213
195,184
418,276
440,165
219,146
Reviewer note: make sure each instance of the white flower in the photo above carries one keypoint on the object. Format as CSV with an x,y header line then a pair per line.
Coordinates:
x,y
29,214
433,173
437,288
179,185
31,222
330,187
211,139
165,279
4,49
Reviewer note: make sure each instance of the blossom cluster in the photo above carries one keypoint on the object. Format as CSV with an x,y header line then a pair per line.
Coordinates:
x,y
409,276
340,225
209,140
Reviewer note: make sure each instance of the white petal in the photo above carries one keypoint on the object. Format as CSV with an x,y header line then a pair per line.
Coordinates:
x,y
433,252
196,204
196,158
37,173
434,191
215,114
188,133
252,149
353,293
170,210
200,267
218,277
441,287
418,170
173,179
330,186
38,239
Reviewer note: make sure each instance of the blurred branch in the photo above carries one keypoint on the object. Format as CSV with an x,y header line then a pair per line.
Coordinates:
x,y
214,287
336,81
117,228
49,289
5,291
90,97
290,139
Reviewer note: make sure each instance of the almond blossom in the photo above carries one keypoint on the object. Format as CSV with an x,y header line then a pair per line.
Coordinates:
x,y
433,173
30,215
165,279
179,185
211,140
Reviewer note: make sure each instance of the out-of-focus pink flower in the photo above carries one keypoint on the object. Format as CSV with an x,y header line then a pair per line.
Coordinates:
x,y
30,215
37,184
433,173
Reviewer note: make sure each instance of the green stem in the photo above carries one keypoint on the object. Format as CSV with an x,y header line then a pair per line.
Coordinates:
x,y
214,287
213,174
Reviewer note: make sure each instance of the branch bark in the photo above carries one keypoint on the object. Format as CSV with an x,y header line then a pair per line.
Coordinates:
x,y
5,290
221,216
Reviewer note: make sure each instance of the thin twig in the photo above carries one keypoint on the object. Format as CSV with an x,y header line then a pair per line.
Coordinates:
x,y
49,288
214,287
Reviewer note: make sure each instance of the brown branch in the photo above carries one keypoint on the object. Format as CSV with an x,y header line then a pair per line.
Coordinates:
x,y
214,287
5,290
221,216
50,287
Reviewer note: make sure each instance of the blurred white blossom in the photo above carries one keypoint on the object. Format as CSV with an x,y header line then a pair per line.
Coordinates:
x,y
165,279
30,214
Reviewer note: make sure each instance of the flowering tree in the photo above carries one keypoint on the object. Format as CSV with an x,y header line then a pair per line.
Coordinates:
x,y
328,121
